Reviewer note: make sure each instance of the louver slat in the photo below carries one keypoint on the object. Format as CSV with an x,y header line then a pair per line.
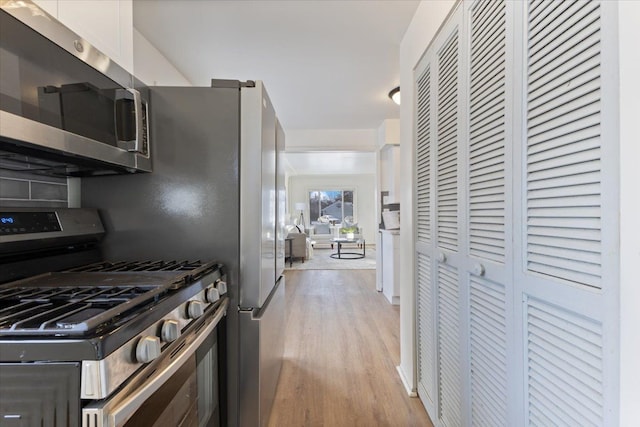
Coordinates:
x,y
447,145
564,358
482,12
423,159
449,370
426,351
583,78
557,40
563,141
488,353
487,132
548,21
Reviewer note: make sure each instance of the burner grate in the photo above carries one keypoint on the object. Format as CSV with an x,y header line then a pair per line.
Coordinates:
x,y
87,298
75,294
140,266
70,309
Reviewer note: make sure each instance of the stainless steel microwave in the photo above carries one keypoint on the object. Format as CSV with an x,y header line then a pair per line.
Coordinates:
x,y
65,108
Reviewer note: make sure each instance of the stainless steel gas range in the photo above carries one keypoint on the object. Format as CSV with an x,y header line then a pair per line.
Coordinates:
x,y
108,343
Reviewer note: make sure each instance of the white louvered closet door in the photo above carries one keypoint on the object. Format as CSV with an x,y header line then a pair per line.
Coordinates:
x,y
437,218
489,246
425,293
568,286
447,268
516,215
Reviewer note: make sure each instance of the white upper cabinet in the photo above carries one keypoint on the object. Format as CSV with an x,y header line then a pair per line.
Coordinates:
x,y
105,24
49,6
389,159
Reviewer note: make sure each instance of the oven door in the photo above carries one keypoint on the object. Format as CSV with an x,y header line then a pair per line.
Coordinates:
x,y
181,389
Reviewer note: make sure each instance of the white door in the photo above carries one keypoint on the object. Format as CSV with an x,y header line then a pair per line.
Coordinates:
x,y
438,257
515,215
487,202
567,280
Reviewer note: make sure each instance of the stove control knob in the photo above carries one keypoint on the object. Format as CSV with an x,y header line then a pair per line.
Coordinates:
x,y
221,286
148,349
170,331
212,294
195,309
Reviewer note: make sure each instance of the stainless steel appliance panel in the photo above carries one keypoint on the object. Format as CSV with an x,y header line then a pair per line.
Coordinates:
x,y
27,229
63,101
205,199
260,369
77,154
22,229
189,207
257,195
35,395
171,382
41,22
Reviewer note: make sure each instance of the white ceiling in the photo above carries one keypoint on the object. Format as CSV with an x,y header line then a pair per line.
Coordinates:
x,y
330,163
327,64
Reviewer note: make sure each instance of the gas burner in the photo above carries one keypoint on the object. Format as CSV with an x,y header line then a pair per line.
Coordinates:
x,y
146,266
83,300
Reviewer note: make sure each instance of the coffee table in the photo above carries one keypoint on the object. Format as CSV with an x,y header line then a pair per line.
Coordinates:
x,y
339,241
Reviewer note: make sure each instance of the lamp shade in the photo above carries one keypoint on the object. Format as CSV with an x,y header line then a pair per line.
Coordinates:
x,y
300,206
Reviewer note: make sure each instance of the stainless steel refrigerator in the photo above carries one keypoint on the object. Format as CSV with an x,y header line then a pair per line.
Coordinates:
x,y
216,193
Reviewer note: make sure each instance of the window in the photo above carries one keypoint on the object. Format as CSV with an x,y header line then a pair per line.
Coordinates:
x,y
334,203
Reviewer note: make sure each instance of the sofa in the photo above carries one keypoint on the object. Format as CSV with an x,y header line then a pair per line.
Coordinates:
x,y
301,247
322,233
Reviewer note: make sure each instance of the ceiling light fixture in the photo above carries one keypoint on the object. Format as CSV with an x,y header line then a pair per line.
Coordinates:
x,y
395,94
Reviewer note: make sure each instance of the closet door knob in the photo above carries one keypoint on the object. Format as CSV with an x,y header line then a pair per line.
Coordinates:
x,y
478,269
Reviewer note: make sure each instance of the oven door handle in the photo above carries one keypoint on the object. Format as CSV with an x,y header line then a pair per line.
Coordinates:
x,y
130,405
122,411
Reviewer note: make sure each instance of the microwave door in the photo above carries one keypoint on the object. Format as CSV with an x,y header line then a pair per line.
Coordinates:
x,y
67,109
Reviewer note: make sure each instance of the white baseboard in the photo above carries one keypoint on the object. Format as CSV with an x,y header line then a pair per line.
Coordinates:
x,y
410,391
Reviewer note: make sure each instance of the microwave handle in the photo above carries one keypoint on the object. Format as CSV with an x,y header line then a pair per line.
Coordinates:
x,y
106,416
135,145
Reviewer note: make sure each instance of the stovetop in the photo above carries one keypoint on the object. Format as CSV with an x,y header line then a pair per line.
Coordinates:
x,y
92,310
91,299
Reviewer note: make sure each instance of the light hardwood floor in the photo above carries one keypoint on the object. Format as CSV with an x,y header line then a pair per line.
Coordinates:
x,y
341,352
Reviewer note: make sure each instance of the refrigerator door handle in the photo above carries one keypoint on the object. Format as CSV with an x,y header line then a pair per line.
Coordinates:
x,y
262,330
258,314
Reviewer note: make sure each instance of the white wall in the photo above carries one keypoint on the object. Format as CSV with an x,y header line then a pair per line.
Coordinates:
x,y
629,16
389,159
331,140
152,67
365,191
426,22
389,133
